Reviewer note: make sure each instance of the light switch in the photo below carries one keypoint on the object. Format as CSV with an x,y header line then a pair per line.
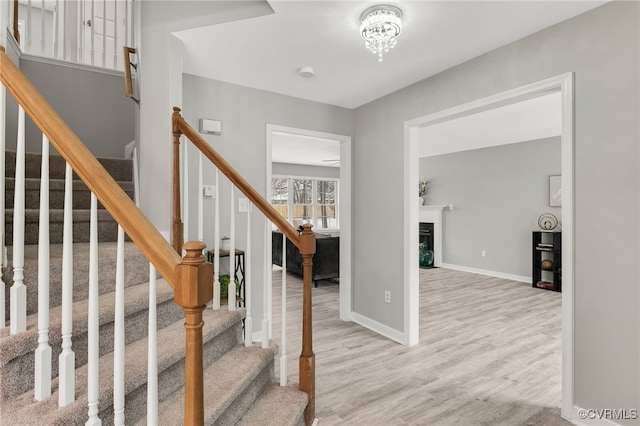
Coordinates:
x,y
244,205
208,191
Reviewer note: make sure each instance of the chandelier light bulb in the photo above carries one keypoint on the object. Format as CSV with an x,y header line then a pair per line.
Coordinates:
x,y
379,27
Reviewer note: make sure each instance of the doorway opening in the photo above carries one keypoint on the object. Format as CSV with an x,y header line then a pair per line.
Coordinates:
x,y
305,147
563,84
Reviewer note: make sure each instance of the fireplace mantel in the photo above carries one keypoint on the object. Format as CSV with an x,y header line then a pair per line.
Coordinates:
x,y
433,214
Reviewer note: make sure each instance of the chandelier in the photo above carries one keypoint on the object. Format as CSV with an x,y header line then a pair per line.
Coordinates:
x,y
380,26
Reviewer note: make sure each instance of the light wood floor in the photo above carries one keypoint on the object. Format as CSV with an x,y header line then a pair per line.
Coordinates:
x,y
489,354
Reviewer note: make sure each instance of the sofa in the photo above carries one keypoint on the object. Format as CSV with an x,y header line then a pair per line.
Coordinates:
x,y
326,261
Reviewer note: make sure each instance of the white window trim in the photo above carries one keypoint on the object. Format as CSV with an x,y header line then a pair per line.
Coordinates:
x,y
314,192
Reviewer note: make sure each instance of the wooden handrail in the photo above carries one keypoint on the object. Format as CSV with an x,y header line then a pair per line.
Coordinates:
x,y
254,196
115,200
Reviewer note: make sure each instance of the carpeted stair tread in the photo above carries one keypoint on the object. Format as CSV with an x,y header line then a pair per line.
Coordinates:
x,y
277,406
24,410
81,193
225,382
136,271
121,169
57,215
17,349
107,226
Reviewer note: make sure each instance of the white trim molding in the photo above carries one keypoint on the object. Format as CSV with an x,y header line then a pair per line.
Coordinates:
x,y
562,83
379,328
496,274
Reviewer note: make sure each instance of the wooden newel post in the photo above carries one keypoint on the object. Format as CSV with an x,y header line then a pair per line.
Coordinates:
x,y
194,291
307,357
178,228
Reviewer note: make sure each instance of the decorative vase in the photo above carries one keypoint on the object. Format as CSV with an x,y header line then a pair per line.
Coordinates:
x,y
421,201
225,244
426,256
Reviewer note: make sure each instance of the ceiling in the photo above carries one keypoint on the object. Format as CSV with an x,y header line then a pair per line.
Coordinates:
x,y
528,120
266,52
307,150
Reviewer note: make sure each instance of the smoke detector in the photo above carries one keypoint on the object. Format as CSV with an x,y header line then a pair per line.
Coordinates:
x,y
306,72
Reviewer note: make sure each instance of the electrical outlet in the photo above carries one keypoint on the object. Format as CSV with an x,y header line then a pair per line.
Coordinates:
x,y
387,296
483,253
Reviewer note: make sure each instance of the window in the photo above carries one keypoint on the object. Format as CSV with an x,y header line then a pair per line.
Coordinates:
x,y
326,204
306,200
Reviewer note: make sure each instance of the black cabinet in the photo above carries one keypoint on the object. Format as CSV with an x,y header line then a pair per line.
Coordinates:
x,y
547,260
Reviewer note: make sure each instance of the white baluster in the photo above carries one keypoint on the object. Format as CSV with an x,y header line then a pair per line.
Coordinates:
x,y
200,200
127,42
42,15
3,262
232,253
283,326
93,331
80,32
115,35
93,32
185,191
152,352
265,291
216,245
67,359
65,39
56,31
104,34
248,322
42,386
118,338
18,296
29,28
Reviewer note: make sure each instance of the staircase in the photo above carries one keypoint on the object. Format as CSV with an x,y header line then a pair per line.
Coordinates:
x,y
238,381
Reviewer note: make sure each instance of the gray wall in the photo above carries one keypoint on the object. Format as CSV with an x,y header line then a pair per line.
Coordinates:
x,y
498,194
602,48
160,77
305,170
92,103
245,113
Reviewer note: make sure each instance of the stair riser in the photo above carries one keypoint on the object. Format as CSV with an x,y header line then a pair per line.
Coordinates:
x,y
107,232
136,271
245,400
81,196
172,378
120,169
20,371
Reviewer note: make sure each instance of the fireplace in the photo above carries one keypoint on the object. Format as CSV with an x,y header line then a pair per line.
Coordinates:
x,y
425,239
432,215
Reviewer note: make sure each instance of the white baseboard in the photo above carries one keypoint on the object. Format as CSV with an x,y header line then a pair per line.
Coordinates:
x,y
496,274
579,413
381,329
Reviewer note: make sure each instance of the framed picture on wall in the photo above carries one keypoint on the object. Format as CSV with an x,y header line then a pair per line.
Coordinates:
x,y
555,191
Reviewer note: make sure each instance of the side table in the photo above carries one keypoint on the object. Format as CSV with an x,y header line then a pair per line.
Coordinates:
x,y
239,271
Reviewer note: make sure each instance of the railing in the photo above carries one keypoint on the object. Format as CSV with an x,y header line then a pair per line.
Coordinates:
x,y
90,32
304,240
190,277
